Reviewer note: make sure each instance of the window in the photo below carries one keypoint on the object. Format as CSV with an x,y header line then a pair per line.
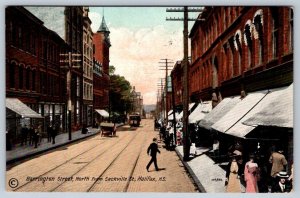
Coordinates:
x,y
259,30
12,75
33,80
291,39
274,33
20,77
27,79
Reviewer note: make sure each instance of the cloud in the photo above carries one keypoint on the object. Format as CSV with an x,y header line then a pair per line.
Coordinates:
x,y
136,55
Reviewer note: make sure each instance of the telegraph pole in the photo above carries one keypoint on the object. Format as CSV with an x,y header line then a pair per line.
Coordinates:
x,y
70,59
186,134
161,87
166,68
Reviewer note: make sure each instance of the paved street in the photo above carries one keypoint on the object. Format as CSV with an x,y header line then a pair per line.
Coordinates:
x,y
103,164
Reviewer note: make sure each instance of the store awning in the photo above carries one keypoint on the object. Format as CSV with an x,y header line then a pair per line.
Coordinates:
x,y
200,112
102,112
170,117
169,113
219,111
191,105
21,109
279,112
232,122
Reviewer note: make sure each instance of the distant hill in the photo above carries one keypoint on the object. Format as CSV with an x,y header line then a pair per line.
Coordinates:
x,y
149,108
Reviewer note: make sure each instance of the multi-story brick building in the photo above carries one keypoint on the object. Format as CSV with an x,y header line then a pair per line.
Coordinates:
x,y
33,72
74,38
101,79
177,75
241,48
87,69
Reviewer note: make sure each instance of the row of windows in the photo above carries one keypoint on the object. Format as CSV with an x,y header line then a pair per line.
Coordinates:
x,y
21,36
242,51
88,91
22,78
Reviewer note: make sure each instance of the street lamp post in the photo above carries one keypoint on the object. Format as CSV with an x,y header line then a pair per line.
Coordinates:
x,y
69,59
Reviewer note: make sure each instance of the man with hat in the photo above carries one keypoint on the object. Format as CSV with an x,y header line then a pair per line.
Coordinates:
x,y
278,161
282,185
153,149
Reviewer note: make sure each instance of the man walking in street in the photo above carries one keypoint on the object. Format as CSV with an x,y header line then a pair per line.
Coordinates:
x,y
153,149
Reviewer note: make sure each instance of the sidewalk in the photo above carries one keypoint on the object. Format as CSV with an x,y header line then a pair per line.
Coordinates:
x,y
208,176
22,152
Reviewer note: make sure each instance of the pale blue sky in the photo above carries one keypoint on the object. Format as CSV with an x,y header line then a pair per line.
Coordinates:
x,y
141,17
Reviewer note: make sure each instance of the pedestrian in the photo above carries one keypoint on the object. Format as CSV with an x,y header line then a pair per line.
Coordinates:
x,y
54,133
49,132
152,151
251,173
8,141
282,185
31,135
36,136
278,161
24,134
232,181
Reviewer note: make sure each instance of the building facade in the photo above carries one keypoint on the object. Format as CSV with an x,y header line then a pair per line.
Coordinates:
x,y
88,63
33,72
101,79
74,39
177,75
240,48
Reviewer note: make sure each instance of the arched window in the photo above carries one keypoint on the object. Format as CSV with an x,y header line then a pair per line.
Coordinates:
x,y
238,47
27,80
291,32
215,82
33,80
12,71
258,33
20,77
275,24
248,42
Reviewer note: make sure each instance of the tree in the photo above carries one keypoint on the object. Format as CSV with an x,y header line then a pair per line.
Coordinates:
x,y
120,90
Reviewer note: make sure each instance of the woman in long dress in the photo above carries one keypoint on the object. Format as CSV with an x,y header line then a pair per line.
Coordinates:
x,y
251,173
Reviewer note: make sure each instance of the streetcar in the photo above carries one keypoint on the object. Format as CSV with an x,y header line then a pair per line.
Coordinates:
x,y
134,120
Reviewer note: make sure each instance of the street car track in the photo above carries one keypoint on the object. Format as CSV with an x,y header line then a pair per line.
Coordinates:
x,y
112,162
56,167
134,166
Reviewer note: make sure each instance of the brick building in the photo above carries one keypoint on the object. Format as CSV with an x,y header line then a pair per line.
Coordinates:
x,y
87,69
101,79
74,38
241,48
33,72
177,75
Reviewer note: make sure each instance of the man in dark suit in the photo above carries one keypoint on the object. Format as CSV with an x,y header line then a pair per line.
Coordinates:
x,y
153,149
283,185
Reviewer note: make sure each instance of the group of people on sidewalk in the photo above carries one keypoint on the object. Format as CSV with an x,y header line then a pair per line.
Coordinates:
x,y
31,134
254,175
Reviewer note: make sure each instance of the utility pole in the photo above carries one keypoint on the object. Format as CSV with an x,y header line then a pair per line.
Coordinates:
x,y
186,134
166,68
161,87
70,59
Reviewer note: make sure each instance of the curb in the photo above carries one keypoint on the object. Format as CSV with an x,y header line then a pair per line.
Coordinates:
x,y
51,148
191,172
48,149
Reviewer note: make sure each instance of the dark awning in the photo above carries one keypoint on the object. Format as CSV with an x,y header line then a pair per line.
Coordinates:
x,y
279,112
21,109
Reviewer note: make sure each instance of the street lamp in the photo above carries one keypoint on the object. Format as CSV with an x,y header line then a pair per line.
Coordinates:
x,y
70,66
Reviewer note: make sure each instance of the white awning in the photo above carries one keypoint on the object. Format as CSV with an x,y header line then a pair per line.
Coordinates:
x,y
279,112
102,112
232,122
191,105
21,109
219,111
170,117
200,112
